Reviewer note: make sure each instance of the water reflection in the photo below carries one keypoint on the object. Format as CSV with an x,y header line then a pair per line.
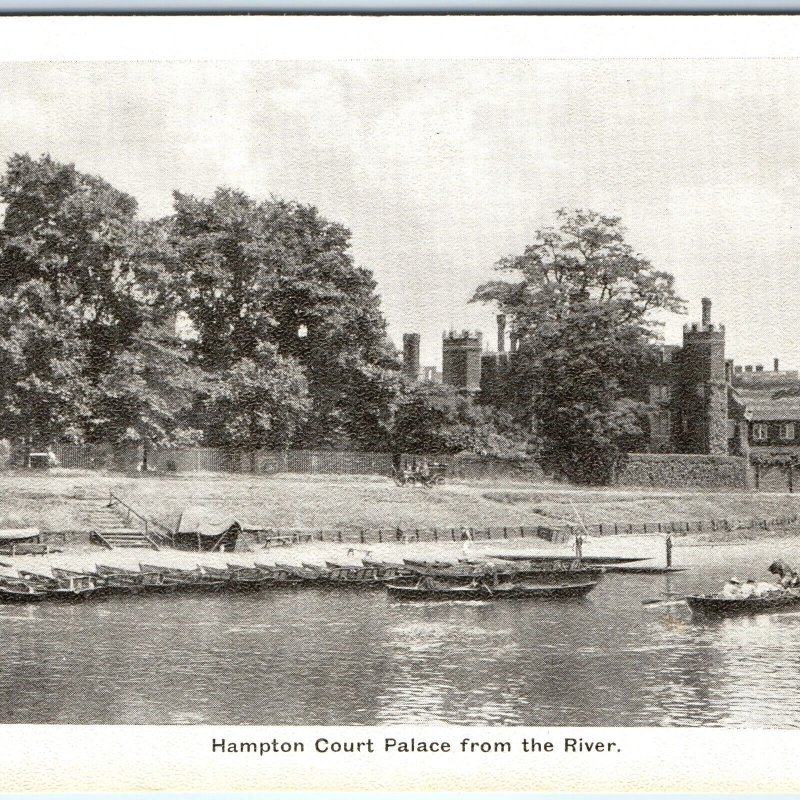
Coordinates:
x,y
315,657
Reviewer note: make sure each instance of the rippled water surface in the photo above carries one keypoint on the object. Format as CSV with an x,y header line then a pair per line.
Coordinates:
x,y
311,657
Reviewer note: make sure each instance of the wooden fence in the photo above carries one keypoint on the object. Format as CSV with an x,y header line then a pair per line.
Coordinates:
x,y
556,535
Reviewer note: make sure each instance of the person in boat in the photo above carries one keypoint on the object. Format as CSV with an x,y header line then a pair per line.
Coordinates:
x,y
733,588
787,575
757,588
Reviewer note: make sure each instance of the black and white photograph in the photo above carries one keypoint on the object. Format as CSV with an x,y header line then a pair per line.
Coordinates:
x,y
400,392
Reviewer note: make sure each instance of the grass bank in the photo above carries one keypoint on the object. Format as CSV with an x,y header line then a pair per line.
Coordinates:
x,y
62,501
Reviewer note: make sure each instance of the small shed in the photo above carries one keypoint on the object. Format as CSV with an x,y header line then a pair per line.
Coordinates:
x,y
209,531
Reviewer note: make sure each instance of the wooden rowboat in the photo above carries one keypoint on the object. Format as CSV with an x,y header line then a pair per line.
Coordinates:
x,y
18,591
184,579
716,605
437,591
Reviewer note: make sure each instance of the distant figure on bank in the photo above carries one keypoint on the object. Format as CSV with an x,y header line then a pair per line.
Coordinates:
x,y
52,459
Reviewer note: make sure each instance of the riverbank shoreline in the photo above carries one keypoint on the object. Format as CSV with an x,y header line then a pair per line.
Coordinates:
x,y
61,504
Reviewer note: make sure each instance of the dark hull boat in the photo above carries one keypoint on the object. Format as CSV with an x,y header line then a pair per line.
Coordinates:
x,y
18,591
434,591
284,575
388,570
189,580
239,579
65,585
592,560
123,580
717,606
536,575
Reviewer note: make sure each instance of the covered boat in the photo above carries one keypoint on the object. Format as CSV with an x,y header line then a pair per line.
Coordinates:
x,y
209,531
720,605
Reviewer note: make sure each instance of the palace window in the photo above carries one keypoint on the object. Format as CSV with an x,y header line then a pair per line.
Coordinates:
x,y
786,431
659,393
759,432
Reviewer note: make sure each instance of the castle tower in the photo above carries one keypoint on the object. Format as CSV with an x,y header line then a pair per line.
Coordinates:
x,y
461,360
704,387
411,356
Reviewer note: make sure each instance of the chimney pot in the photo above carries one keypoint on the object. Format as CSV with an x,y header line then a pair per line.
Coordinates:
x,y
501,333
759,367
706,303
748,368
775,363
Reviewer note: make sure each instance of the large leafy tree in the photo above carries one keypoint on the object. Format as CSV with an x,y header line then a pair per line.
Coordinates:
x,y
75,242
581,308
437,419
257,402
276,272
42,358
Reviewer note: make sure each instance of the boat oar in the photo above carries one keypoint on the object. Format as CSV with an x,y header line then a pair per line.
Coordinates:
x,y
660,602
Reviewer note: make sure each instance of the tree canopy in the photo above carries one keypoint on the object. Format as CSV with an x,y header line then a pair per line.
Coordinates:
x,y
275,272
80,287
581,311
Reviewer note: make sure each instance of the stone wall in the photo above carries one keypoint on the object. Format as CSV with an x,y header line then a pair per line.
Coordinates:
x,y
674,470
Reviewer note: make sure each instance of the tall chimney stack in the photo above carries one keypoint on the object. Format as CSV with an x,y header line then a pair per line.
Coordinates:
x,y
501,333
706,302
411,356
775,362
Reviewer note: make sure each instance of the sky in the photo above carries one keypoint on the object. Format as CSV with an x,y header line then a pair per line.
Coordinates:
x,y
440,168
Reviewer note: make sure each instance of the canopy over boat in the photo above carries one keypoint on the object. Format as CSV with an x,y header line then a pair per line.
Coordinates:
x,y
19,534
202,529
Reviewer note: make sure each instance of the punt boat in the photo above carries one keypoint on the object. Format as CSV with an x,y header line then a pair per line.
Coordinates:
x,y
435,590
545,559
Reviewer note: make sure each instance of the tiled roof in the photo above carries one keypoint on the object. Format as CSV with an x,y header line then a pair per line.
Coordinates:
x,y
767,409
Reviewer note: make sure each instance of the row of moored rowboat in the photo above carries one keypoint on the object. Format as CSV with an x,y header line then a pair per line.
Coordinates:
x,y
409,580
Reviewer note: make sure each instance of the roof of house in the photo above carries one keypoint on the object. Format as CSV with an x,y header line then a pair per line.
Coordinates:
x,y
766,409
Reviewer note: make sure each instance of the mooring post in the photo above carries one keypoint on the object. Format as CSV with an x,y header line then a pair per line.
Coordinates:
x,y
669,549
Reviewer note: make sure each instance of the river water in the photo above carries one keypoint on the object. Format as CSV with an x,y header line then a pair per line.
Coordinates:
x,y
316,657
